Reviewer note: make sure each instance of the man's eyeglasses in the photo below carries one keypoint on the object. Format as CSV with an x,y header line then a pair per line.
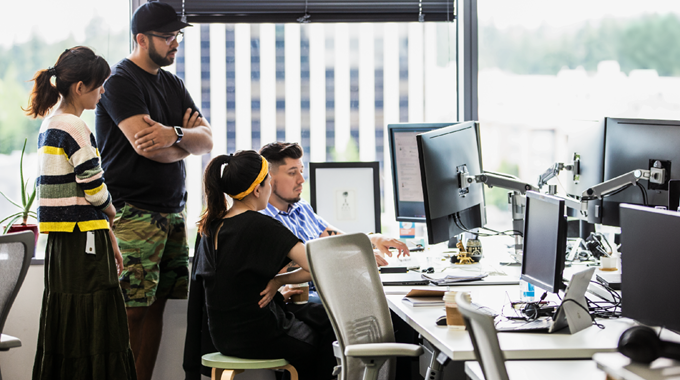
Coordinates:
x,y
168,39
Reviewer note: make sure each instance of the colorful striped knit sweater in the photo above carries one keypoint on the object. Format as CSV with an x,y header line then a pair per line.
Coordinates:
x,y
71,186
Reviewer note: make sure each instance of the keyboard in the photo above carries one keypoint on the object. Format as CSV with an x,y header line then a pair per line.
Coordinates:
x,y
538,325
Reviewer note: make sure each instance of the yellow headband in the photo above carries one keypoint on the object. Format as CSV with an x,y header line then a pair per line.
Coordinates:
x,y
258,180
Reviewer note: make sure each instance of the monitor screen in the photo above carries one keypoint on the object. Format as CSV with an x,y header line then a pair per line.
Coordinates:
x,y
442,154
408,191
650,260
631,144
545,241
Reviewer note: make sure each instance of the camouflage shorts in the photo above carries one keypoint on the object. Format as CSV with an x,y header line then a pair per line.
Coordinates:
x,y
155,255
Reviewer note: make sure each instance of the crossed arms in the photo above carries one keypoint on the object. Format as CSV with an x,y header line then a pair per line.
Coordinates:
x,y
156,141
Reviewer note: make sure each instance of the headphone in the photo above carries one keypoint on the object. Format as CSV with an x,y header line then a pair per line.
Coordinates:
x,y
642,344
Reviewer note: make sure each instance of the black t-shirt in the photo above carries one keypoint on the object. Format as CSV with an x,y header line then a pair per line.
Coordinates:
x,y
130,177
252,248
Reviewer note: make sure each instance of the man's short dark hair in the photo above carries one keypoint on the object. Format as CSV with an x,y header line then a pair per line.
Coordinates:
x,y
277,152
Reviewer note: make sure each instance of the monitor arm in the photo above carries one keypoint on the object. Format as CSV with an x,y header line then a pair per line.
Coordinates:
x,y
557,167
516,198
491,179
601,190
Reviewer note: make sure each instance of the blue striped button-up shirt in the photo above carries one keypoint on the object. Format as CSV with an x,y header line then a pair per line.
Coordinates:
x,y
300,219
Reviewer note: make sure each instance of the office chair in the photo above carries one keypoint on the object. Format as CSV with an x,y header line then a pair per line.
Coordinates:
x,y
346,276
16,251
484,340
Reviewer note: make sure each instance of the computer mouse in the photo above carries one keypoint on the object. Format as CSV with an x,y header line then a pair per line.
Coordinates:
x,y
441,321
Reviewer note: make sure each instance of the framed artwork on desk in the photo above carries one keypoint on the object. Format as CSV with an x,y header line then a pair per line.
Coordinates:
x,y
347,194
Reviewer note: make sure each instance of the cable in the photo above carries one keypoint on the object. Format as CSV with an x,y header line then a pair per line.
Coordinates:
x,y
644,193
459,223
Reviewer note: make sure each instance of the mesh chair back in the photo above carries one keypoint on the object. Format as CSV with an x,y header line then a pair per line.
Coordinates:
x,y
346,277
16,250
484,340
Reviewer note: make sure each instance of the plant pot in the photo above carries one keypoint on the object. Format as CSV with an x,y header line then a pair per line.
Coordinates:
x,y
26,227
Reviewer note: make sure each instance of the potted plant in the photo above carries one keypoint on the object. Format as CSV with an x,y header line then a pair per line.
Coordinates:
x,y
28,193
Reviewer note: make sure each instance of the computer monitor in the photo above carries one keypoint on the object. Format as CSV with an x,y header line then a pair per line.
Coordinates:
x,y
442,154
650,261
409,205
631,144
545,241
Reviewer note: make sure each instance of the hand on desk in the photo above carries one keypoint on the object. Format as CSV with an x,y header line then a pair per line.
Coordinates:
x,y
383,245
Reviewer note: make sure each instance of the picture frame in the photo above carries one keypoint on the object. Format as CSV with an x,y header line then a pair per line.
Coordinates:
x,y
347,194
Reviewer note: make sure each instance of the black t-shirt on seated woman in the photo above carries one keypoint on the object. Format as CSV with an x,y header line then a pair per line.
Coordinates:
x,y
252,248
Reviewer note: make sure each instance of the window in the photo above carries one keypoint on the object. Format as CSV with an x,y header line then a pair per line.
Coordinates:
x,y
33,39
547,67
331,87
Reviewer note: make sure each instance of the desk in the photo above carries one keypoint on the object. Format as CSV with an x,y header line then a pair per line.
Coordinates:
x,y
543,369
619,367
457,346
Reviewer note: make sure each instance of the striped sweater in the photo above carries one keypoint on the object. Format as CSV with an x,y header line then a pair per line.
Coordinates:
x,y
71,188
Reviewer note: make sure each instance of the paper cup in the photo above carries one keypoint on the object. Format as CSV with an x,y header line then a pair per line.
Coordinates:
x,y
454,319
300,299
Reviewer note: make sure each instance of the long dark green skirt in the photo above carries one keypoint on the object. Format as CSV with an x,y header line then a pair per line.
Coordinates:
x,y
83,325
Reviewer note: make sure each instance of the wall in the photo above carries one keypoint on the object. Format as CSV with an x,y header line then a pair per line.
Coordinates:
x,y
23,320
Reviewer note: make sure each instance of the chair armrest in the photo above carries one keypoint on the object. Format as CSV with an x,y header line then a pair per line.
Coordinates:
x,y
383,350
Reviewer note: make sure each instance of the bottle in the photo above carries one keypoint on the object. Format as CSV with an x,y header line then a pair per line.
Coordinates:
x,y
527,291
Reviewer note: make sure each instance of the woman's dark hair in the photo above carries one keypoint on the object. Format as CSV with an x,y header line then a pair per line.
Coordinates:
x,y
74,65
230,174
277,152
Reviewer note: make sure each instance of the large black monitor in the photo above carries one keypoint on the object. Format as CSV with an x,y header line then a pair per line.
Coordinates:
x,y
545,241
631,144
650,260
443,154
409,204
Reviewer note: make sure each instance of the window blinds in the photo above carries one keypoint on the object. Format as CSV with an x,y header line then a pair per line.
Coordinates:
x,y
286,11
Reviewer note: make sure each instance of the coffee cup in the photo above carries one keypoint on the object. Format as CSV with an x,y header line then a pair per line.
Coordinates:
x,y
454,319
303,298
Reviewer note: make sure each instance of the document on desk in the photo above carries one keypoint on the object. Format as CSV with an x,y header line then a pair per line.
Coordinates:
x,y
453,279
421,297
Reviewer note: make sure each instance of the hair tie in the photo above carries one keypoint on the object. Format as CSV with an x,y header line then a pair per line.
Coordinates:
x,y
264,170
52,71
226,160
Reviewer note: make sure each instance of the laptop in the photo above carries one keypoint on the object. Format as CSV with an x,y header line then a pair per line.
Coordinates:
x,y
610,279
568,314
416,278
396,279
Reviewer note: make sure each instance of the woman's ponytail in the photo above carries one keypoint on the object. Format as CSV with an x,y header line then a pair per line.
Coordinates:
x,y
44,94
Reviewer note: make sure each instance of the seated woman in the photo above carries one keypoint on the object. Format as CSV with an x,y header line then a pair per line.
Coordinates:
x,y
240,253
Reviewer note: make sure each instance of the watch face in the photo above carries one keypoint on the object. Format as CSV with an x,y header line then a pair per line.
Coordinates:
x,y
178,131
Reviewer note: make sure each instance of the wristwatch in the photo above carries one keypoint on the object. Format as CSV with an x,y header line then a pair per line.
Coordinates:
x,y
179,133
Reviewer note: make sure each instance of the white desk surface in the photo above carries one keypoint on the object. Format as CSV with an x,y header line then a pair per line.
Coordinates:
x,y
543,369
457,346
619,367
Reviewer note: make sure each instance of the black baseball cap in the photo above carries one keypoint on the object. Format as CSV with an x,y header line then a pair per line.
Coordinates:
x,y
156,16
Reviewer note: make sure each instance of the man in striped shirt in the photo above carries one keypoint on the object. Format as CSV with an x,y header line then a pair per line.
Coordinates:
x,y
286,206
